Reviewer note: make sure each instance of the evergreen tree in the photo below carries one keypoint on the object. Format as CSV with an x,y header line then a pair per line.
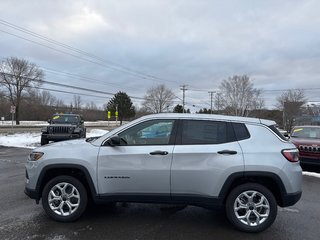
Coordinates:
x,y
123,103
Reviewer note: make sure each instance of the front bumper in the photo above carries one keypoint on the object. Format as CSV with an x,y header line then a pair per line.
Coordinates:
x,y
60,137
310,161
33,194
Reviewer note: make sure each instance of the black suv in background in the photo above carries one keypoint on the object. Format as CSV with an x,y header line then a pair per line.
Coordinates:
x,y
63,127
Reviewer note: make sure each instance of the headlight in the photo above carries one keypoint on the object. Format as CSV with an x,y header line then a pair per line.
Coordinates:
x,y
44,129
77,130
35,156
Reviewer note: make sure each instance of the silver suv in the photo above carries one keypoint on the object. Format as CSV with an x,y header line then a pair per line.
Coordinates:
x,y
243,164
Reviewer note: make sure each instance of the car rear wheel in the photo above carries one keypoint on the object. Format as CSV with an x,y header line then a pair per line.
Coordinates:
x,y
251,207
64,198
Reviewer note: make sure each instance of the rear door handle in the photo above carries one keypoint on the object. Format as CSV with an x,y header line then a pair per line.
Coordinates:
x,y
229,152
159,153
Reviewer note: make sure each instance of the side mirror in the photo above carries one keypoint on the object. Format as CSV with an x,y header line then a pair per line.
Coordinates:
x,y
49,120
81,121
114,140
286,135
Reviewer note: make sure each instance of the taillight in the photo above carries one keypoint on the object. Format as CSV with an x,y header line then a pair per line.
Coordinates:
x,y
292,155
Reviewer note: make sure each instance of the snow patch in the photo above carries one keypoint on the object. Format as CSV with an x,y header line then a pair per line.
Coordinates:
x,y
311,174
24,140
96,132
32,140
44,123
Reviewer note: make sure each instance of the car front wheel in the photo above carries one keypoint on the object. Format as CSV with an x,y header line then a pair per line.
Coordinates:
x,y
251,207
44,141
64,198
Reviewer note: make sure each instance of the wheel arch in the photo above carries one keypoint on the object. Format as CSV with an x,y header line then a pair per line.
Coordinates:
x,y
267,179
74,170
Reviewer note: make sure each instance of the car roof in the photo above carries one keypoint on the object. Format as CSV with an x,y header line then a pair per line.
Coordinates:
x,y
210,117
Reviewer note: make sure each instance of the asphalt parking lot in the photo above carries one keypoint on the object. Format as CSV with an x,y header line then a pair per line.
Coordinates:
x,y
21,218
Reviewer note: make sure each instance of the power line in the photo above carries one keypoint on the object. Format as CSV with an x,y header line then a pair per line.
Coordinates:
x,y
73,87
293,89
67,53
83,78
116,67
69,86
57,72
62,91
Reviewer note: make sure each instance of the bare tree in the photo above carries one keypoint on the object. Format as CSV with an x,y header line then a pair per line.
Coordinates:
x,y
238,96
77,102
290,96
158,99
46,98
17,75
218,102
91,106
290,103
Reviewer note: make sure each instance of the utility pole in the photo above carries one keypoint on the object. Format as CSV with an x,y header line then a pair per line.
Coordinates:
x,y
116,113
211,98
218,101
184,89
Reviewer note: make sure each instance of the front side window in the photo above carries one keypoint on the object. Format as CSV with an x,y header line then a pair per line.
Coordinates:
x,y
204,132
154,132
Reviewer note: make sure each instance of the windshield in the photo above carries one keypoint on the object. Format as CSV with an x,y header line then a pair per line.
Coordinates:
x,y
62,119
306,132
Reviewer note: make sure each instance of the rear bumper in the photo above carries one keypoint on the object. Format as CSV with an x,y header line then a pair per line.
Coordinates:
x,y
290,199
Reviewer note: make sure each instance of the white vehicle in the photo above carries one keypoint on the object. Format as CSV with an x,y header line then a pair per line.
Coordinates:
x,y
243,164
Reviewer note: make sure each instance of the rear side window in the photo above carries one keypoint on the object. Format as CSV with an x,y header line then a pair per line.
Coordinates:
x,y
205,132
241,131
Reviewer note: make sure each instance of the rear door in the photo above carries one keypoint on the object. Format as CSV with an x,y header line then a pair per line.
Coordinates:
x,y
205,155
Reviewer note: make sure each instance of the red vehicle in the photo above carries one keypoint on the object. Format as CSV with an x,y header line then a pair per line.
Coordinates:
x,y
307,140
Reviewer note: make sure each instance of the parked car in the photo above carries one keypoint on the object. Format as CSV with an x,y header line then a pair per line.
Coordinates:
x,y
63,127
202,160
307,140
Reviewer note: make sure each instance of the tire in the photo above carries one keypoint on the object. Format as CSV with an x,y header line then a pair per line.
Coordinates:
x,y
254,201
65,208
44,141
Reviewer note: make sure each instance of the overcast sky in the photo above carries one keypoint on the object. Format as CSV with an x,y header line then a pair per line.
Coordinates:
x,y
143,43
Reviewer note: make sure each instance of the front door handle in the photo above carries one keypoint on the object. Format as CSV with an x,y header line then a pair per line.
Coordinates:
x,y
159,153
229,152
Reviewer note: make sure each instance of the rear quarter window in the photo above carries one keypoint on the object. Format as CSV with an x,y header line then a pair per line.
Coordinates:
x,y
276,131
241,131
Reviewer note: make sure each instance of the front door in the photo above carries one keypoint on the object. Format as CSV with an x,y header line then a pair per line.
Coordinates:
x,y
140,165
